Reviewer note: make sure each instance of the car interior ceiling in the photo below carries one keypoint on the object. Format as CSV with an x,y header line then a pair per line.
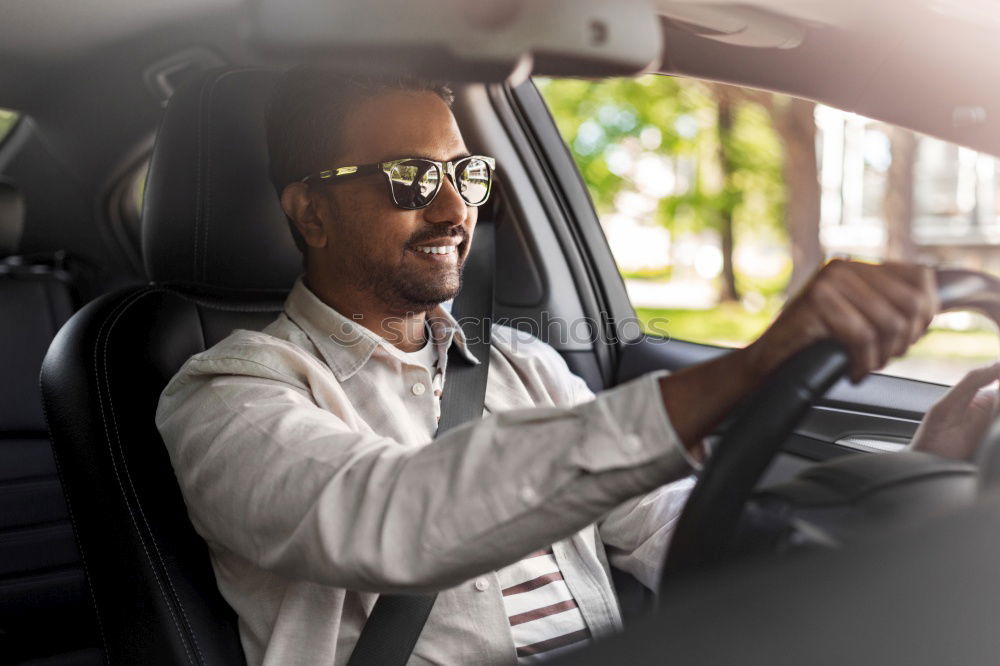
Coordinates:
x,y
89,112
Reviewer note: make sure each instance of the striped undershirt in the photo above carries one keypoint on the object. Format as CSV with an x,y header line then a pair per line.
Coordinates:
x,y
545,620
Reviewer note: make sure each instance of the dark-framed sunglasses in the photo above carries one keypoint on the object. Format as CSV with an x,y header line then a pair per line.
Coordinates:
x,y
415,181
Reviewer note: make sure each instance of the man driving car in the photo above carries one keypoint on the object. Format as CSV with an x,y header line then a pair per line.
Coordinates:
x,y
305,453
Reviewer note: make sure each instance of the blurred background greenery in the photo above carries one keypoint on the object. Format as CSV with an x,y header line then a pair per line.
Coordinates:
x,y
7,120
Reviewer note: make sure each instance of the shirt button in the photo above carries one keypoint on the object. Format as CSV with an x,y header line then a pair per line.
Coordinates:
x,y
528,495
418,388
632,443
482,584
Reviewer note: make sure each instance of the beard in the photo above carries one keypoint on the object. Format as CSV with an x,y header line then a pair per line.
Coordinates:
x,y
413,293
406,284
406,287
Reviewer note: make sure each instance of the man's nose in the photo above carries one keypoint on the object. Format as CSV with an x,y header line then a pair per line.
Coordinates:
x,y
447,206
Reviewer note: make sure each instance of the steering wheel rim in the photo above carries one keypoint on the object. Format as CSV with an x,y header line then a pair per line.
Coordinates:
x,y
761,424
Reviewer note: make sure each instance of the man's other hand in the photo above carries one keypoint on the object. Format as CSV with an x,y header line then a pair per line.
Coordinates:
x,y
875,310
956,423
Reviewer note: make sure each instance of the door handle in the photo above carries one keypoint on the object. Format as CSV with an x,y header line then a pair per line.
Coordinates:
x,y
873,443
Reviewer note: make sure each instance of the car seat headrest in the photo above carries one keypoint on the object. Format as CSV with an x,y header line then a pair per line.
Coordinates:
x,y
11,218
210,215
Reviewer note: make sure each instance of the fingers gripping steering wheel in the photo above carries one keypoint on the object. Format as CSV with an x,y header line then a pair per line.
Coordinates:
x,y
764,422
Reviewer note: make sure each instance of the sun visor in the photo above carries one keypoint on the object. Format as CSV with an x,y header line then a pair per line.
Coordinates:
x,y
459,40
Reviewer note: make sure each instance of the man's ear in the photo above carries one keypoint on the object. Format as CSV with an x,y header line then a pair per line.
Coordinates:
x,y
299,204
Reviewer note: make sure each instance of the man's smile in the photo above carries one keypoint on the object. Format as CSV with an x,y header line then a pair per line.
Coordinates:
x,y
447,249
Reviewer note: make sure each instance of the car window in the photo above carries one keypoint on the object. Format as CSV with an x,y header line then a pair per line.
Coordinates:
x,y
717,202
8,118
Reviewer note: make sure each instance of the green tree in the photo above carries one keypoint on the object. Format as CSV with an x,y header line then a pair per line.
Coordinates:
x,y
725,136
597,117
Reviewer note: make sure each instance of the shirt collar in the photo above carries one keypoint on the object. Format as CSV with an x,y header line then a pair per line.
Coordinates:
x,y
346,345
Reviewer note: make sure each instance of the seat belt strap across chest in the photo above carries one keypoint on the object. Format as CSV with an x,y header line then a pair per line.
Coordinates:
x,y
392,630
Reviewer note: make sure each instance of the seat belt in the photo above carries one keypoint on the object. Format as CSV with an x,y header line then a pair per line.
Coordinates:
x,y
392,630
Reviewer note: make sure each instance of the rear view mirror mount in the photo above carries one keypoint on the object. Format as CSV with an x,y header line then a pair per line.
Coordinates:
x,y
464,40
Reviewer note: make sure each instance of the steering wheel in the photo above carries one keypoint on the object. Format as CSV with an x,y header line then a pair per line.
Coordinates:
x,y
764,422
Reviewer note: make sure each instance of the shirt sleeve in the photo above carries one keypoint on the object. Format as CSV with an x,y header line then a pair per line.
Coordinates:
x,y
273,478
637,533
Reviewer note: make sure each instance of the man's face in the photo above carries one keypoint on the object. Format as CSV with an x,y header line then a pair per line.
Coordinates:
x,y
373,245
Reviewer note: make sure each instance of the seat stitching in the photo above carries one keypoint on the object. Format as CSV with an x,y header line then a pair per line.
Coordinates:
x,y
208,180
197,191
108,324
102,337
76,534
117,315
198,182
128,476
262,308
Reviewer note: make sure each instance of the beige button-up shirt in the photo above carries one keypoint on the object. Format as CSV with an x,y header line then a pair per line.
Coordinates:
x,y
305,456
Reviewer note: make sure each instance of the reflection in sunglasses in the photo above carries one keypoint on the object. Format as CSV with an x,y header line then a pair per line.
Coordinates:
x,y
415,182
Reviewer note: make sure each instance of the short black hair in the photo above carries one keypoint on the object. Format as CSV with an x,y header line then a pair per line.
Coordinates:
x,y
304,112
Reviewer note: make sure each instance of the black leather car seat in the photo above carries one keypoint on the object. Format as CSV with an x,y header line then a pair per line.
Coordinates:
x,y
41,581
219,256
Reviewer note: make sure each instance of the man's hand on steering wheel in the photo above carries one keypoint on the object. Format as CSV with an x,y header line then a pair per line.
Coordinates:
x,y
872,313
956,423
850,318
875,310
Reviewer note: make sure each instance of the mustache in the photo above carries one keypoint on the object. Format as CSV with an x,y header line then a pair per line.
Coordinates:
x,y
456,232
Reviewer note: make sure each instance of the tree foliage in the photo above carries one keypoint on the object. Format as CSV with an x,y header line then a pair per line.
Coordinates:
x,y
730,177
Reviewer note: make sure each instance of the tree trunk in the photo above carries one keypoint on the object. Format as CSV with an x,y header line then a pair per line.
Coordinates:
x,y
898,203
728,291
797,127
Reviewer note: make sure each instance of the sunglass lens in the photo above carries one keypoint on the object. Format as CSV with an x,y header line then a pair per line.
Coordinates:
x,y
474,181
414,183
